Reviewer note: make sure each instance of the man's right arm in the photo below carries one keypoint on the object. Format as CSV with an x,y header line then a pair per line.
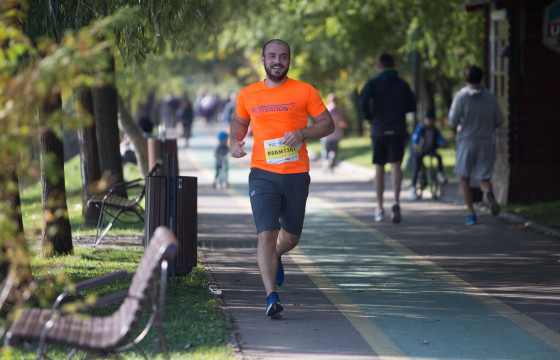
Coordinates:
x,y
238,130
366,102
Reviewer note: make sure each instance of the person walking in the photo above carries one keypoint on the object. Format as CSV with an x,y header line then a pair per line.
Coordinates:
x,y
385,100
278,109
475,115
329,144
185,115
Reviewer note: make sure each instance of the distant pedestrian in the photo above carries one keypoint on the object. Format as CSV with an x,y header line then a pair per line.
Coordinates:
x,y
185,115
385,100
221,156
329,144
278,109
476,115
229,108
426,139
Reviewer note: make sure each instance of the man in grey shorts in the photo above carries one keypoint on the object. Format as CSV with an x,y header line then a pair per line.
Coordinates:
x,y
278,109
476,115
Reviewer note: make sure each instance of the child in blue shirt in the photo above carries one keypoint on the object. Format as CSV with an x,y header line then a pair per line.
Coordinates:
x,y
221,154
425,141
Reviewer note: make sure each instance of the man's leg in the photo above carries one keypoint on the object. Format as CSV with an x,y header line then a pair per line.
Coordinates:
x,y
271,245
486,187
396,176
467,197
466,193
286,242
267,258
379,185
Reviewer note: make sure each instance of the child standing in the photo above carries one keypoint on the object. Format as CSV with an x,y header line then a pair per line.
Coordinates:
x,y
221,154
425,141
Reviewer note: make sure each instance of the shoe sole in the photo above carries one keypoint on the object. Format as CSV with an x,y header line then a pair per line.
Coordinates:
x,y
396,214
274,310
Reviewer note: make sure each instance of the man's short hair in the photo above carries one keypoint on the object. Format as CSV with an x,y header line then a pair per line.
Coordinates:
x,y
277,41
473,74
386,60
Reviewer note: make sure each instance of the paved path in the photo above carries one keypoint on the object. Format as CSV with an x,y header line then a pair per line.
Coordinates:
x,y
428,288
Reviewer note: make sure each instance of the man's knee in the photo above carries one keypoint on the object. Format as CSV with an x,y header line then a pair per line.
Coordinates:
x,y
290,238
268,236
463,179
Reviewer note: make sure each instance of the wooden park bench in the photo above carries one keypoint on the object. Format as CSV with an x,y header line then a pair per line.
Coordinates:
x,y
112,204
111,334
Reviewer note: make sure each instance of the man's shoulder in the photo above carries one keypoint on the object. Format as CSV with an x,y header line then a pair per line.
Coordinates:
x,y
253,86
298,83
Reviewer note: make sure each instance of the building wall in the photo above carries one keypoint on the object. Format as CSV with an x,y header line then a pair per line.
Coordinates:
x,y
534,127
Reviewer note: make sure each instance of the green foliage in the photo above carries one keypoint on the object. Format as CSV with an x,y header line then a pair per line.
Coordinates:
x,y
34,71
335,43
447,37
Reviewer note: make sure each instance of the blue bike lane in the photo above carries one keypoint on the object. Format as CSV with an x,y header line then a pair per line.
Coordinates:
x,y
402,304
416,308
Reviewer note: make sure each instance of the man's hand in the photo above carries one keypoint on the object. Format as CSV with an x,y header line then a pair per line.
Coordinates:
x,y
293,138
236,149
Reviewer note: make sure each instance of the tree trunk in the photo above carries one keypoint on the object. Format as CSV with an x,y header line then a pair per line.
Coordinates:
x,y
13,204
107,131
127,125
89,156
57,234
446,88
427,98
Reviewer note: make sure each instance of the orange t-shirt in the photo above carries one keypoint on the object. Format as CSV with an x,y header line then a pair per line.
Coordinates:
x,y
274,112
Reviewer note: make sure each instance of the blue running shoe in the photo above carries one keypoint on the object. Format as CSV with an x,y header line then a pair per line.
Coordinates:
x,y
280,273
471,220
273,306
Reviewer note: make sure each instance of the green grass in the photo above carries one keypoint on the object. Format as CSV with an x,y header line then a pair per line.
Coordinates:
x,y
194,324
544,213
32,208
193,321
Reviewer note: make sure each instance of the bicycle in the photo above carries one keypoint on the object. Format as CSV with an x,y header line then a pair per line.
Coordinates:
x,y
428,177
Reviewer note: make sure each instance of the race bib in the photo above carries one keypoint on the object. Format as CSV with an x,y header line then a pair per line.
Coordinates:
x,y
278,153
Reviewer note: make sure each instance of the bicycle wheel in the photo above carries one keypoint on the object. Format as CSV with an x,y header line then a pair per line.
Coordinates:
x,y
422,182
435,187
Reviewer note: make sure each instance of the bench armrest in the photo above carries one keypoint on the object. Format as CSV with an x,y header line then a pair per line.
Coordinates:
x,y
89,283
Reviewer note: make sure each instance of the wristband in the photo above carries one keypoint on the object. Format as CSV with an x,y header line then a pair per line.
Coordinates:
x,y
303,134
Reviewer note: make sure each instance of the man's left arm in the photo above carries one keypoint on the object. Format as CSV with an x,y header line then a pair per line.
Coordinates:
x,y
323,125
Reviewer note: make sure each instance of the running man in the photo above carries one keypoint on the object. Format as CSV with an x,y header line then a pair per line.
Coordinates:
x,y
278,109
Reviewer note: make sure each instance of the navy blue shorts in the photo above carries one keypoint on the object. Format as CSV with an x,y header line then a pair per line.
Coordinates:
x,y
278,200
388,149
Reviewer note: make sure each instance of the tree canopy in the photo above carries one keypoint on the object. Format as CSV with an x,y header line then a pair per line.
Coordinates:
x,y
335,43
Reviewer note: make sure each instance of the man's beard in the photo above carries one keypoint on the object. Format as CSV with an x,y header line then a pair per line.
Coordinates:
x,y
275,76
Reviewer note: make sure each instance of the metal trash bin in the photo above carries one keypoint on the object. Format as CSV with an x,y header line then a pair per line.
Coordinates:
x,y
171,200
